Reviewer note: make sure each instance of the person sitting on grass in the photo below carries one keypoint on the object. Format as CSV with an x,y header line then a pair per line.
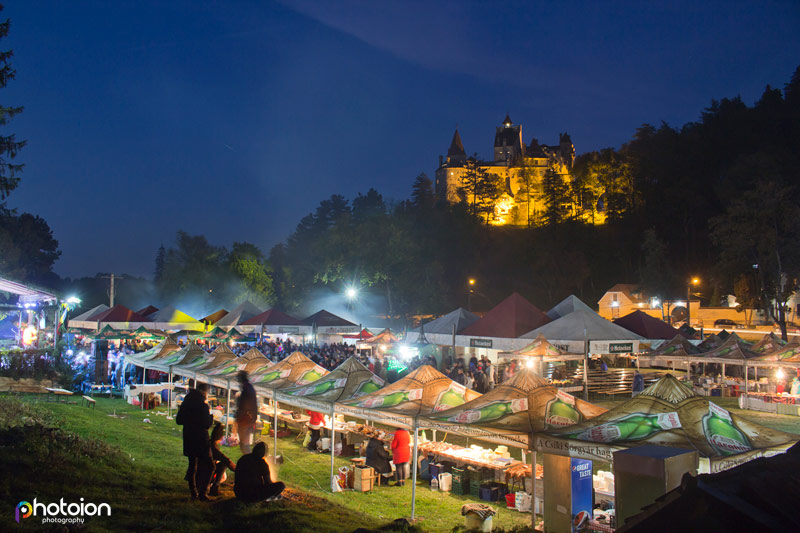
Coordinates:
x,y
221,461
253,482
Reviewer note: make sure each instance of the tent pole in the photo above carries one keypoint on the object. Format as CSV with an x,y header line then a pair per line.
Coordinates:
x,y
533,490
585,367
414,470
274,424
745,378
333,443
169,396
228,411
144,380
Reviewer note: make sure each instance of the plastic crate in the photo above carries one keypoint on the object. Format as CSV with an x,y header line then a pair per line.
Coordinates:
x,y
460,488
493,492
460,475
435,469
475,490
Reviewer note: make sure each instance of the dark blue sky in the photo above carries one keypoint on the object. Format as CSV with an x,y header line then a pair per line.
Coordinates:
x,y
234,119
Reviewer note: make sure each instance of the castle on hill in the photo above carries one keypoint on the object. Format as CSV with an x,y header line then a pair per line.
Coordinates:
x,y
520,166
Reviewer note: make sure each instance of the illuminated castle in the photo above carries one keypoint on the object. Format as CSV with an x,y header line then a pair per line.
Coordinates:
x,y
516,164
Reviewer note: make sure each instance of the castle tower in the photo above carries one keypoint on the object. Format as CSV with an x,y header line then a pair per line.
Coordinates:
x,y
456,154
508,145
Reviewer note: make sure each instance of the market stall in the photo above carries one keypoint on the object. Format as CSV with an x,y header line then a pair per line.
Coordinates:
x,y
350,380
668,413
400,404
513,412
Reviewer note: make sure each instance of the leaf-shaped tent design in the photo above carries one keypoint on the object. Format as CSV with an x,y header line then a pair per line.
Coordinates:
x,y
349,380
668,413
422,392
297,369
523,405
161,349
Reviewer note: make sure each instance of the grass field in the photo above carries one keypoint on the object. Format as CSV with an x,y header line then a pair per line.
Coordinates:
x,y
50,451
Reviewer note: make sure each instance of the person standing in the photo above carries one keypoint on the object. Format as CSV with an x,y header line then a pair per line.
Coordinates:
x,y
401,455
314,426
246,412
195,417
253,482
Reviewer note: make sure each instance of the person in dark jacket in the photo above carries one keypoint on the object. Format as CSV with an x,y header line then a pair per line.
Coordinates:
x,y
220,460
377,456
195,417
253,483
246,412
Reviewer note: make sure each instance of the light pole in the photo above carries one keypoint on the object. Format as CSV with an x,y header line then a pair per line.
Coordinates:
x,y
693,281
351,293
469,294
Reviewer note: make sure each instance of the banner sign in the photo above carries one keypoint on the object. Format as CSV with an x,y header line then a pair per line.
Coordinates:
x,y
480,343
620,347
288,329
581,482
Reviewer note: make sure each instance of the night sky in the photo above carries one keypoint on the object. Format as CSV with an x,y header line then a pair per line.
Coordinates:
x,y
235,119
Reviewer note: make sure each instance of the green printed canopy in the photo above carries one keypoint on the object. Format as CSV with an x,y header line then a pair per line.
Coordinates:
x,y
669,413
422,392
768,344
109,333
143,334
523,405
159,350
188,353
347,381
217,334
297,369
786,352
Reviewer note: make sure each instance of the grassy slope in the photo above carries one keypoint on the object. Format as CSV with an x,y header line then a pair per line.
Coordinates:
x,y
144,482
140,474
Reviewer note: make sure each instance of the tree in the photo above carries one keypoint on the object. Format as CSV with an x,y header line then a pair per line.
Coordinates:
x,y
480,189
656,273
555,197
247,263
422,195
369,206
158,273
9,146
761,231
526,190
27,248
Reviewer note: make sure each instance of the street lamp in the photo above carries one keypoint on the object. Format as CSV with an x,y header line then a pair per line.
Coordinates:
x,y
351,293
693,281
469,294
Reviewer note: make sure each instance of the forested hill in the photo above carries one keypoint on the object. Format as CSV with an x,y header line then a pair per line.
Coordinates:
x,y
710,198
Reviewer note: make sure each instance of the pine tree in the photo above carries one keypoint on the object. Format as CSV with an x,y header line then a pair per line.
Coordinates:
x,y
555,196
480,189
9,146
422,196
158,274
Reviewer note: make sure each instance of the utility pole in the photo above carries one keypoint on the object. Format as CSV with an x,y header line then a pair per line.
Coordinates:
x,y
112,291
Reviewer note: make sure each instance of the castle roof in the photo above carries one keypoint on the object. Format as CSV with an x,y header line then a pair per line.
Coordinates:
x,y
456,147
507,120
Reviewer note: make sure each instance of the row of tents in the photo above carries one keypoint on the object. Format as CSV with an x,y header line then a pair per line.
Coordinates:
x,y
246,318
525,412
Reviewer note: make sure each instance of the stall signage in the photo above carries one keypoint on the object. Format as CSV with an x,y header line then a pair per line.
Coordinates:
x,y
288,329
620,347
581,481
480,343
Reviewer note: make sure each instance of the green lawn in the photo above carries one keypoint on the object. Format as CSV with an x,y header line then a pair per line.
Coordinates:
x,y
138,468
